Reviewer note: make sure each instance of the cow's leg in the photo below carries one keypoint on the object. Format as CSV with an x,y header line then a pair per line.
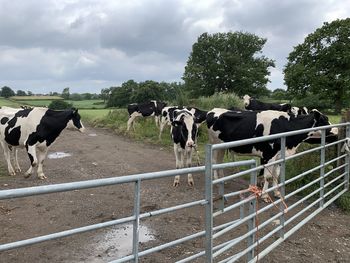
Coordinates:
x,y
275,176
7,155
42,151
31,150
218,157
161,127
17,167
156,119
179,163
189,164
268,173
131,120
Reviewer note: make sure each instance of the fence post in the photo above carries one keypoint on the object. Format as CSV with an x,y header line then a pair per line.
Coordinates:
x,y
252,210
322,161
136,227
209,204
283,187
347,160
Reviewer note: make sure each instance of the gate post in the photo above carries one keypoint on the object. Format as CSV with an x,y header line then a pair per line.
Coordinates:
x,y
347,160
209,204
252,210
283,186
322,161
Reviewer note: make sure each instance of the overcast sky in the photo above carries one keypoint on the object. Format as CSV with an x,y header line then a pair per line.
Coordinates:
x,y
47,45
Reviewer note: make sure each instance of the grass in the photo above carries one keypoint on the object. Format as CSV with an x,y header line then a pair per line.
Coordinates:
x,y
29,98
82,104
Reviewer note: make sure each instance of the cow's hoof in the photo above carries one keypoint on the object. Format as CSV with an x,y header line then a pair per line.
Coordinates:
x,y
265,198
176,183
27,175
41,176
18,170
277,194
12,174
191,183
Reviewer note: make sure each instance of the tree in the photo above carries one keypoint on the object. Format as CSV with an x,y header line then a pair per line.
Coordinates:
x,y
321,65
148,90
21,93
227,62
280,94
65,93
59,105
122,96
7,92
105,94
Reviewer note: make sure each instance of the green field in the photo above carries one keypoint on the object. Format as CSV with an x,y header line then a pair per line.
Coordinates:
x,y
44,101
28,98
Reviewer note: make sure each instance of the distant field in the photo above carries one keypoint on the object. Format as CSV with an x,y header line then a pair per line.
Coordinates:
x,y
25,98
82,104
8,103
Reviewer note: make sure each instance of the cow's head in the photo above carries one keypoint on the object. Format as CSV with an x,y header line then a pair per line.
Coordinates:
x,y
75,122
246,100
188,128
321,120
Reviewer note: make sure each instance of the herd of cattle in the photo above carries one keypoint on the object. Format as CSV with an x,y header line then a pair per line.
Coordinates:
x,y
226,125
37,128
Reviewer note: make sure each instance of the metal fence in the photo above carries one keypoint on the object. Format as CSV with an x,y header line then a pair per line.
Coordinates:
x,y
252,228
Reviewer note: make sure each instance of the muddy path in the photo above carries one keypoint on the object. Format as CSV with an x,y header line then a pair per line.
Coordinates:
x,y
100,154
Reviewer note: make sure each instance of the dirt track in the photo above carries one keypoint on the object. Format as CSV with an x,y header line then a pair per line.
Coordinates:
x,y
325,239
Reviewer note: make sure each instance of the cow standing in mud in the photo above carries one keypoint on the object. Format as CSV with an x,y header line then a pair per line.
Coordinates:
x,y
184,135
35,129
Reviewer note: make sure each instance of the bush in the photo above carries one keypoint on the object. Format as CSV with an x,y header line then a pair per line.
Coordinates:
x,y
59,105
219,100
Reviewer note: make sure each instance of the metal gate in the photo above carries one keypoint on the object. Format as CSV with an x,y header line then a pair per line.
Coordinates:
x,y
253,228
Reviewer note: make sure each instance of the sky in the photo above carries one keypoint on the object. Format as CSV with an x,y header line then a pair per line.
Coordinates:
x,y
47,45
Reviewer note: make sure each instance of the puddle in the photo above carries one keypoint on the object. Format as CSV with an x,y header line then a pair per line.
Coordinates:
x,y
117,242
58,155
92,134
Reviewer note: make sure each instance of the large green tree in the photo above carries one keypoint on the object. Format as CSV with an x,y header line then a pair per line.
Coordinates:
x,y
227,62
321,65
7,92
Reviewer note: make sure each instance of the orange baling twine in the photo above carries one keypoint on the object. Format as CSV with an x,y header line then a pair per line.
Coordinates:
x,y
257,192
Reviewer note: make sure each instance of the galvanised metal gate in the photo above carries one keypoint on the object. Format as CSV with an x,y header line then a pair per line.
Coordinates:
x,y
254,231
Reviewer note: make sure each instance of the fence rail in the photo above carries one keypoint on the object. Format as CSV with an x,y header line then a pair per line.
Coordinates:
x,y
224,242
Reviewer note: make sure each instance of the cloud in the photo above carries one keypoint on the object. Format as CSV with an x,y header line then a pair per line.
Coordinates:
x,y
93,44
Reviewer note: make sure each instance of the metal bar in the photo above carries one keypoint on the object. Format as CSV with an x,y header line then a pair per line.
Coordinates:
x,y
65,233
282,188
299,225
55,188
322,169
252,211
231,207
161,247
334,180
209,206
136,227
335,169
347,160
271,137
231,164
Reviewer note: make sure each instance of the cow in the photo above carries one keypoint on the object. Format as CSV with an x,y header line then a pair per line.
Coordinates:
x,y
36,129
167,116
183,133
256,105
145,109
299,111
226,126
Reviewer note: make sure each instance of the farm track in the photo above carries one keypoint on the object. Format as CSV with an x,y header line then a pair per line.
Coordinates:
x,y
325,239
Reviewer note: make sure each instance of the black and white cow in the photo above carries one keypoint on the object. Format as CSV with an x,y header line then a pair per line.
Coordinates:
x,y
299,111
256,105
167,116
226,126
36,129
145,109
184,134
